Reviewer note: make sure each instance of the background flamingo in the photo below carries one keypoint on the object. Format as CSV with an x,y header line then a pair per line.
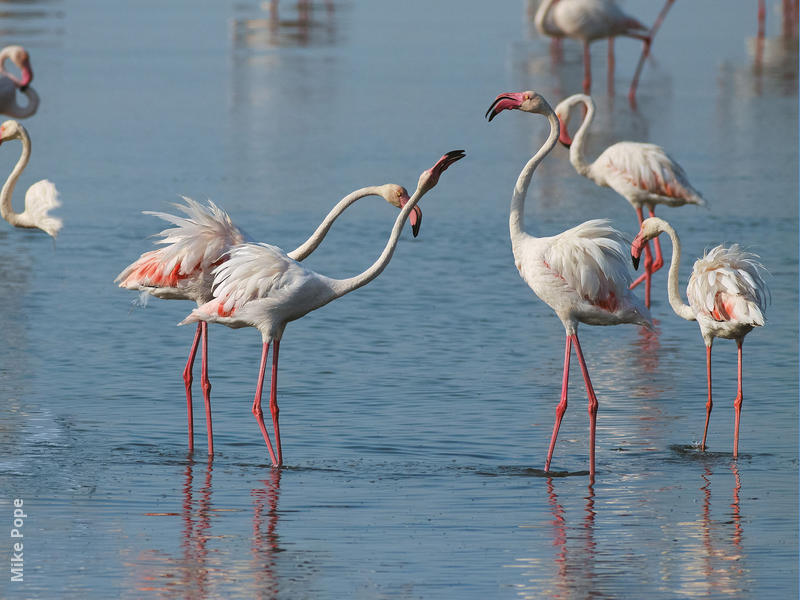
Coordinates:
x,y
182,269
263,287
727,297
580,273
643,174
40,197
10,83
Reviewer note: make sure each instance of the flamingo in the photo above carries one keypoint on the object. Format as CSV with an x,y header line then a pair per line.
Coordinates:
x,y
182,269
10,83
643,174
590,20
727,297
263,287
40,197
581,273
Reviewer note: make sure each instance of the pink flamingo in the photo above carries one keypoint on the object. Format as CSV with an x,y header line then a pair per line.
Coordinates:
x,y
263,287
40,197
182,269
581,273
727,297
643,174
10,83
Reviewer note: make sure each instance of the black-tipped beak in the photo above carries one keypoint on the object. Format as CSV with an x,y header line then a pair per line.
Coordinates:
x,y
449,158
500,103
416,221
635,261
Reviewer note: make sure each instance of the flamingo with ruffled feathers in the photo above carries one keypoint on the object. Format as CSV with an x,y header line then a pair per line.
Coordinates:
x,y
582,273
643,174
10,83
40,198
727,297
199,242
263,287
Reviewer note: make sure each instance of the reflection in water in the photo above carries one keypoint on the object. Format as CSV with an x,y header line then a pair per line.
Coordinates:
x,y
263,27
265,537
775,56
22,21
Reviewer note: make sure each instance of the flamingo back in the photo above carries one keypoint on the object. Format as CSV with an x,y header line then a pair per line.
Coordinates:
x,y
593,19
39,199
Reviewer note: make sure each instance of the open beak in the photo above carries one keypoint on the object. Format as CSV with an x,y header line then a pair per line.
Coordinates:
x,y
447,160
504,102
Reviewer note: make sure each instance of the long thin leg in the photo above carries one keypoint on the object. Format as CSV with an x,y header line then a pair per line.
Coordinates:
x,y
587,69
611,62
562,405
760,36
648,264
273,399
205,383
737,404
257,412
187,379
659,261
592,403
648,41
709,404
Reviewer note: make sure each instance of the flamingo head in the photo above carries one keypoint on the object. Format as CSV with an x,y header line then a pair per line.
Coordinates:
x,y
428,179
10,130
19,56
650,228
526,101
396,195
563,110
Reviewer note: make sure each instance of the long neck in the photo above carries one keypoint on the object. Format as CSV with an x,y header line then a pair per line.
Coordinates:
x,y
312,243
576,156
341,287
540,19
20,112
681,309
516,220
6,210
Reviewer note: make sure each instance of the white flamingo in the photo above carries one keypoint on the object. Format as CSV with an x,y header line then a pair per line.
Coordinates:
x,y
727,297
10,83
581,273
199,242
263,287
40,197
643,174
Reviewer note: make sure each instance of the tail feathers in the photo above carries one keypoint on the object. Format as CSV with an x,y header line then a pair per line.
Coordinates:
x,y
149,271
39,199
208,311
734,307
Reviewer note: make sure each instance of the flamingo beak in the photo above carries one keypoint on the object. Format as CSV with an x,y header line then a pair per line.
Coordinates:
x,y
504,102
563,135
635,261
636,251
416,220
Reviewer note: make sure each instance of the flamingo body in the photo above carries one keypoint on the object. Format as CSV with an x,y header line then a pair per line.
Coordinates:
x,y
585,20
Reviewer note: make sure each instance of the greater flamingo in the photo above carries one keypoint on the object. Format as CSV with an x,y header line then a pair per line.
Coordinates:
x,y
182,269
590,20
581,273
727,297
263,287
643,174
10,83
40,197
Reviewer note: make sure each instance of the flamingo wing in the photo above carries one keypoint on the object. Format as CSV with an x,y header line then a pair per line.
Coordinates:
x,y
592,19
39,199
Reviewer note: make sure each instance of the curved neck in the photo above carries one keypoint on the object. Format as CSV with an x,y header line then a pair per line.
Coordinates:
x,y
312,243
341,287
540,18
21,112
6,210
576,156
681,309
516,220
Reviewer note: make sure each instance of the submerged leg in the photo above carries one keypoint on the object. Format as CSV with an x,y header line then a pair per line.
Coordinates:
x,y
562,405
273,399
592,403
205,383
257,412
737,404
187,379
709,404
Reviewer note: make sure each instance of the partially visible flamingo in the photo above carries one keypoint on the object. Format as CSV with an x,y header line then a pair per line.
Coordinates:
x,y
263,287
643,174
10,83
581,273
40,197
727,297
199,242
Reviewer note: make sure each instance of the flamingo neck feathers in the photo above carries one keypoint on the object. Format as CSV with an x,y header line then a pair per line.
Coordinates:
x,y
6,210
576,155
313,242
21,112
516,219
681,309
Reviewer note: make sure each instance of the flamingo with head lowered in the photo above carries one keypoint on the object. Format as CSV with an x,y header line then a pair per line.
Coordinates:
x,y
582,273
643,174
199,242
263,287
727,297
10,83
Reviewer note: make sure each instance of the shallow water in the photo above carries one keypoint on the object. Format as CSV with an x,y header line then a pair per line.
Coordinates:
x,y
416,412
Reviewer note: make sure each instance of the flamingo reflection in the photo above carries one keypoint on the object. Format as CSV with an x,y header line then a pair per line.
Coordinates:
x,y
266,29
265,537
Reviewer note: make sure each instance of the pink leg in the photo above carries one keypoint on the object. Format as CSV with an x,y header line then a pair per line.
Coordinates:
x,y
592,403
206,385
648,265
257,412
659,262
737,404
709,404
611,66
562,406
648,40
587,69
556,50
187,379
760,36
273,399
